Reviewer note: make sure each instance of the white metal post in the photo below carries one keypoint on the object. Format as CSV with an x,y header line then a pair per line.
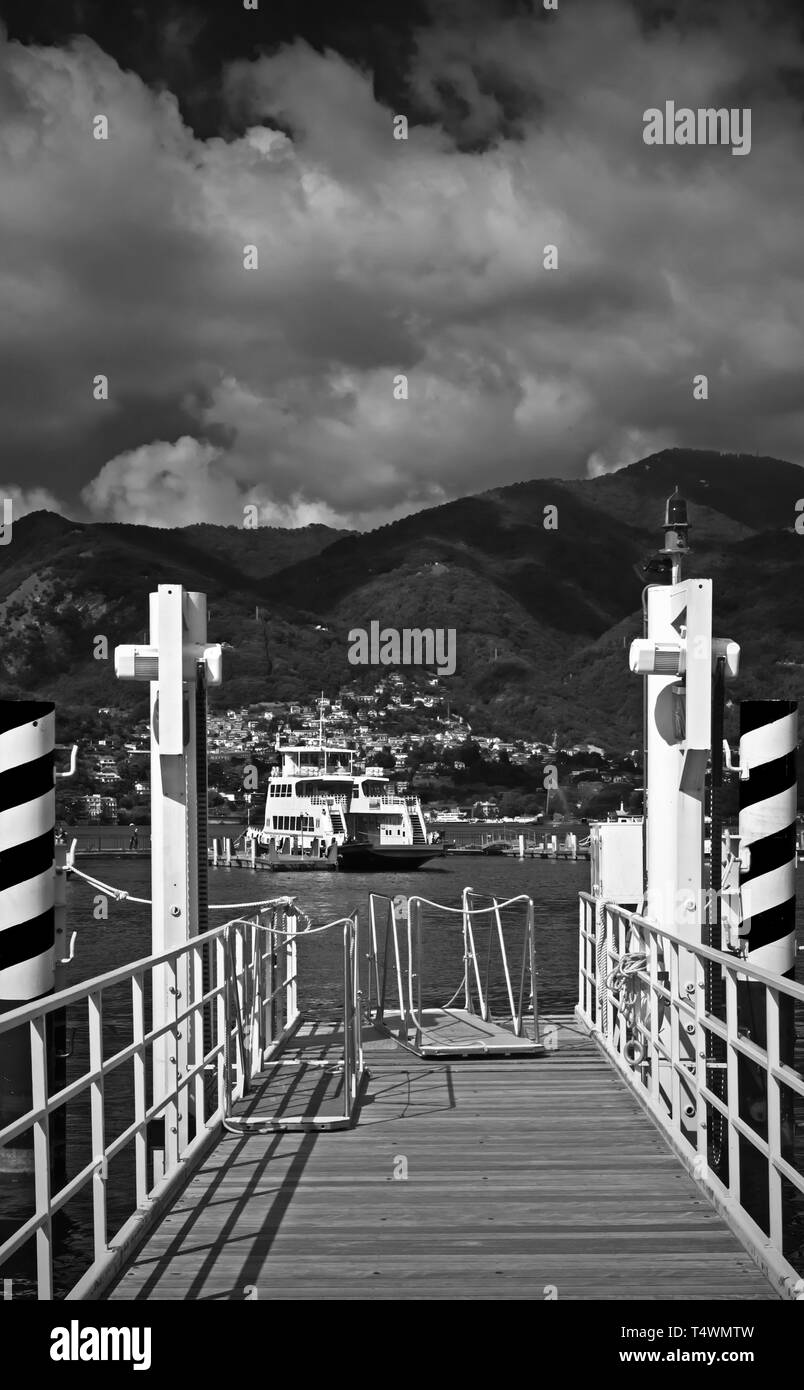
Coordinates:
x,y
178,635
170,885
677,658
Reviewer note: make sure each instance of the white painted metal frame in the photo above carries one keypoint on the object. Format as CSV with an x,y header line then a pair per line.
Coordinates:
x,y
271,1013
267,1015
682,1108
527,972
407,964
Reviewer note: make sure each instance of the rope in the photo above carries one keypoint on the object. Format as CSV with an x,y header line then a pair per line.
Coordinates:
x,y
622,981
475,911
600,954
629,964
119,894
277,931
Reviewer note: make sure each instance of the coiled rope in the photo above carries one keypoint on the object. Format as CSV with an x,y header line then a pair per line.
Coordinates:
x,y
622,982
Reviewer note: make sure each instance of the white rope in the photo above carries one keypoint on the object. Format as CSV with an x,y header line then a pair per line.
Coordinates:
x,y
629,964
122,895
119,894
277,931
622,982
475,911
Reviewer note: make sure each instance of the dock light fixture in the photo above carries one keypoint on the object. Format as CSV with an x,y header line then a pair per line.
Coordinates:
x,y
648,658
676,524
142,663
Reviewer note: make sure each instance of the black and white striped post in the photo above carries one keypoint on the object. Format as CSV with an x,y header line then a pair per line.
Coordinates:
x,y
27,892
767,829
768,740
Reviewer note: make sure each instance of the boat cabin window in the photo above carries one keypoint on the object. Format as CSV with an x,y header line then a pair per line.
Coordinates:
x,y
319,786
294,823
373,788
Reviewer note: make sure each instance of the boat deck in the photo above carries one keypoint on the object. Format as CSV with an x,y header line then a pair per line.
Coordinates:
x,y
523,1178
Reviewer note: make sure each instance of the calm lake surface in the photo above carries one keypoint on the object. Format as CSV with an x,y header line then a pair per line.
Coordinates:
x,y
554,887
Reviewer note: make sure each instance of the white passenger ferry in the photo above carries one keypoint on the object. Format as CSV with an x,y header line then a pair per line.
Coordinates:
x,y
318,799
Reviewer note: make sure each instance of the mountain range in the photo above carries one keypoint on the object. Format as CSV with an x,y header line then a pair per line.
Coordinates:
x,y
543,602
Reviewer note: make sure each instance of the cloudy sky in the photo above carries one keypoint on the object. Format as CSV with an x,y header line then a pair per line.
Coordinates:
x,y
380,257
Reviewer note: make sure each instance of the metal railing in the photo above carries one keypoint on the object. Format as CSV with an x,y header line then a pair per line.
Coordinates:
x,y
724,1100
270,980
234,1005
378,981
478,998
400,954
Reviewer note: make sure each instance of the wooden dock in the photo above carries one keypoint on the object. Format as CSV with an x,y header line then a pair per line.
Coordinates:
x,y
523,1178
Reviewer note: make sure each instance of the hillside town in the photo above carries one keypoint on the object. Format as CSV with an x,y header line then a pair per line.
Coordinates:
x,y
411,731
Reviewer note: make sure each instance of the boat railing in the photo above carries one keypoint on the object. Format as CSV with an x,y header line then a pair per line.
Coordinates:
x,y
373,803
234,1003
674,1017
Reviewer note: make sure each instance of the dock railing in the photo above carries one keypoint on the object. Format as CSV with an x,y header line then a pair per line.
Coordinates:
x,y
396,962
664,1040
387,919
267,1015
520,1000
234,993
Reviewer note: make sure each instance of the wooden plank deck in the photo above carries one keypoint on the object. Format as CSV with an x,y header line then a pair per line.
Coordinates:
x,y
527,1178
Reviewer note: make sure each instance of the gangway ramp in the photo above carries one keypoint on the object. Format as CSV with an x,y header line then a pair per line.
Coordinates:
x,y
497,961
457,1032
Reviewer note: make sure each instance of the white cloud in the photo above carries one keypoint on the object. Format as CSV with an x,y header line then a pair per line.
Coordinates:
x,y
25,500
165,485
627,446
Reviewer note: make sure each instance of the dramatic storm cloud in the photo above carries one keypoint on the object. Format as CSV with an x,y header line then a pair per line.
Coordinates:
x,y
380,257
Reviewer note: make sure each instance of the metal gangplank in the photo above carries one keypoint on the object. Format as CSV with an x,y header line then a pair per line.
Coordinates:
x,y
397,986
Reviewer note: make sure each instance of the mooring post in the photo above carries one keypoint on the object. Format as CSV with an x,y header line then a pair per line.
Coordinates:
x,y
27,917
768,792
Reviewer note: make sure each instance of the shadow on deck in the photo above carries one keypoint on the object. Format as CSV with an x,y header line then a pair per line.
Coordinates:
x,y
523,1178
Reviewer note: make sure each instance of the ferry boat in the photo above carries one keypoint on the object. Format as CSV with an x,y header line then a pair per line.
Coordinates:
x,y
318,798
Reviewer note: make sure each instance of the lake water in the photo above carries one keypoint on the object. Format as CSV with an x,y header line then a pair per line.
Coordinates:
x,y
554,887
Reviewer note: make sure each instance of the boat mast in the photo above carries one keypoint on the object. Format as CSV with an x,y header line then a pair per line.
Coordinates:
x,y
321,729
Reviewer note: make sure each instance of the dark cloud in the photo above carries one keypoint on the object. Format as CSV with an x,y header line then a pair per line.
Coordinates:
x,y
380,257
